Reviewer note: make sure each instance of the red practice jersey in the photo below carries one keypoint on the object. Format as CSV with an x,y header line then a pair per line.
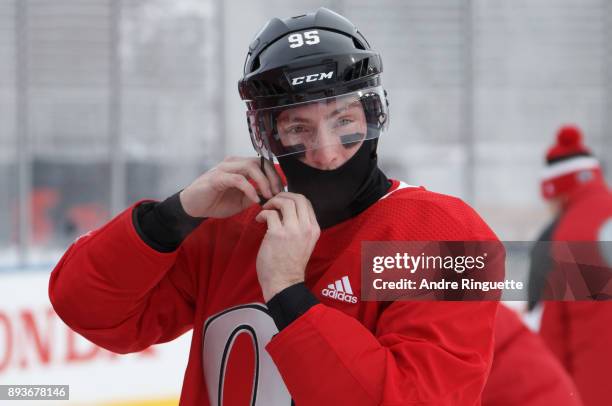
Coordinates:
x,y
118,292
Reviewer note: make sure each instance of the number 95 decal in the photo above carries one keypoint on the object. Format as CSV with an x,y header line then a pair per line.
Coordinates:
x,y
308,37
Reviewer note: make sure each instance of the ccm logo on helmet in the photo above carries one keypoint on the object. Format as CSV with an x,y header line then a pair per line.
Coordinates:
x,y
312,78
334,294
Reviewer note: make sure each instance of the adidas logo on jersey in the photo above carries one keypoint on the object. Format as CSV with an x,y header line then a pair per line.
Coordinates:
x,y
340,290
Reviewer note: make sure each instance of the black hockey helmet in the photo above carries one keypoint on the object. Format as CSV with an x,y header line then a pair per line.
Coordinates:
x,y
312,60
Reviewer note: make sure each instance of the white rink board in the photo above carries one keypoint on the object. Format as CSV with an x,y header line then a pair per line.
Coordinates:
x,y
36,347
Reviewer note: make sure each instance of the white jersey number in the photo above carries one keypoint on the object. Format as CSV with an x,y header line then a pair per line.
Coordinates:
x,y
309,38
220,333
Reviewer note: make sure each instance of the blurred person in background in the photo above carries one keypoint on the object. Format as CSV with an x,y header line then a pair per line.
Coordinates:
x,y
272,291
525,371
580,332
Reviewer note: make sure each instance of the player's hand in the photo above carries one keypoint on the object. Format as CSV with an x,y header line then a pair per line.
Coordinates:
x,y
292,234
225,189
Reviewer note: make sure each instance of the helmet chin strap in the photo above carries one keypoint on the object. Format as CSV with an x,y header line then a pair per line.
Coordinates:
x,y
262,166
262,200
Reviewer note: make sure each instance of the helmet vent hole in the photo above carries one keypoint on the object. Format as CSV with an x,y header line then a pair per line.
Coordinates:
x,y
268,89
255,64
359,69
358,44
364,67
256,86
278,89
263,88
348,75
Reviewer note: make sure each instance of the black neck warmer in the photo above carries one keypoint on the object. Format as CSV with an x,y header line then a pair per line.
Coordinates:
x,y
340,193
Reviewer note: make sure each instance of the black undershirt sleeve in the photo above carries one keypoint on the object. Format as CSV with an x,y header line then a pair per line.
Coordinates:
x,y
164,225
290,303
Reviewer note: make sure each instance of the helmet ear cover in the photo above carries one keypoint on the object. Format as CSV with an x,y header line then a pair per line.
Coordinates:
x,y
260,124
375,112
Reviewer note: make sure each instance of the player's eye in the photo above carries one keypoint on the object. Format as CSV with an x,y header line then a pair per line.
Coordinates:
x,y
296,129
344,121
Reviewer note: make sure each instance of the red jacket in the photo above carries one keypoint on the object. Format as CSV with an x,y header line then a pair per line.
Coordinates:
x,y
121,294
580,333
524,371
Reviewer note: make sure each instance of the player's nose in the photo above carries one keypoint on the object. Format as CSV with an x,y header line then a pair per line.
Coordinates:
x,y
326,158
327,155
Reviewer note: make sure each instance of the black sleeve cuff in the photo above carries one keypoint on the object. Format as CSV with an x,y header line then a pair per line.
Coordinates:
x,y
163,226
290,303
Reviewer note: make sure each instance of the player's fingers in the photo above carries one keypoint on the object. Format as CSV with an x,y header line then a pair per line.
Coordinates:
x,y
302,206
263,182
286,207
312,214
273,177
232,180
249,167
271,217
309,213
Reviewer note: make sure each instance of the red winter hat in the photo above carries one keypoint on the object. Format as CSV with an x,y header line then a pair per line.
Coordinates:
x,y
569,144
569,164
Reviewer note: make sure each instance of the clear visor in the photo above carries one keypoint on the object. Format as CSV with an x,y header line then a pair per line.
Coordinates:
x,y
345,120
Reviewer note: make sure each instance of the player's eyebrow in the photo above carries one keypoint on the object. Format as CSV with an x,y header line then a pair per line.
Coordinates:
x,y
339,110
342,109
295,119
